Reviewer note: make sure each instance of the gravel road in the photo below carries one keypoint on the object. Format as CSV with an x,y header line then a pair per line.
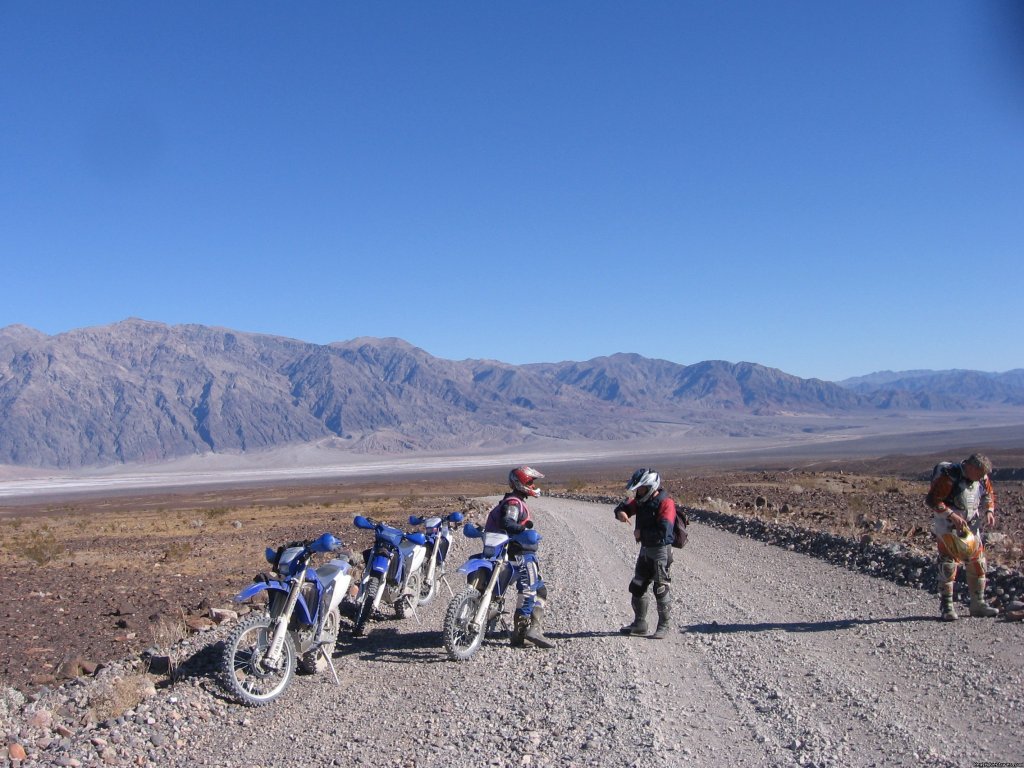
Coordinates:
x,y
776,659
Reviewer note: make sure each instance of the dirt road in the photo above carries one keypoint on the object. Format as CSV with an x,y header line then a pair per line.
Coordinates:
x,y
775,659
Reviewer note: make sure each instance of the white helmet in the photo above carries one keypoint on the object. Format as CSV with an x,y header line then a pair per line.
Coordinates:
x,y
644,478
521,480
963,546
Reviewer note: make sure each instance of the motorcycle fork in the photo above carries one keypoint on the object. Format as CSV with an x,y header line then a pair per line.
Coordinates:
x,y
480,617
384,586
433,557
273,654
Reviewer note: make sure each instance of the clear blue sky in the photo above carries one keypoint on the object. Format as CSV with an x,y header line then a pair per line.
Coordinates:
x,y
827,188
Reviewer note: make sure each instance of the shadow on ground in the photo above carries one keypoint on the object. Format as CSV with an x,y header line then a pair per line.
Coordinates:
x,y
714,628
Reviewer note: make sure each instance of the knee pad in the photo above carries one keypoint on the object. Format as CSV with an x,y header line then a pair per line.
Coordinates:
x,y
947,570
661,591
637,587
977,568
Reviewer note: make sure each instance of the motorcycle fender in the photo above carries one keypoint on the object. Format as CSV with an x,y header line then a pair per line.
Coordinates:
x,y
473,566
256,587
379,564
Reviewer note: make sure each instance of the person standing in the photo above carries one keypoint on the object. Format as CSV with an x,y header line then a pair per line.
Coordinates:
x,y
511,516
655,514
957,496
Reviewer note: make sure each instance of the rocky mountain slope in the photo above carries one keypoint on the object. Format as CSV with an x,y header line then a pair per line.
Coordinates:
x,y
145,391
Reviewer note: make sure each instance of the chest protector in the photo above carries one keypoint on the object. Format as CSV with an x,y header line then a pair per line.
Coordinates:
x,y
965,496
653,531
510,506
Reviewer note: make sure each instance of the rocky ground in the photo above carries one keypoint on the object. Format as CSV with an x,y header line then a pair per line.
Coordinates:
x,y
95,583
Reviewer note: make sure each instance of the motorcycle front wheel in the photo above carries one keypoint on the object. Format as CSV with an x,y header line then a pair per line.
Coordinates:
x,y
373,585
428,590
245,671
460,641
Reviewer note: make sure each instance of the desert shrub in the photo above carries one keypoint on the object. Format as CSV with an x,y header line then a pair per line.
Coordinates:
x,y
118,696
168,631
177,551
857,504
215,512
40,546
718,505
575,485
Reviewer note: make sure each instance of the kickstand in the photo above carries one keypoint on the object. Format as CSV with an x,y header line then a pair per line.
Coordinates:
x,y
415,613
445,580
330,662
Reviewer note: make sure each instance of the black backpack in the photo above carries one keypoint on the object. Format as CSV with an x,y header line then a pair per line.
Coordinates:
x,y
679,529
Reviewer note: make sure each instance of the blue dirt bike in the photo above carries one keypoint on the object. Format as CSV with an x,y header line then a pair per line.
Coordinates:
x,y
392,573
439,540
479,607
298,628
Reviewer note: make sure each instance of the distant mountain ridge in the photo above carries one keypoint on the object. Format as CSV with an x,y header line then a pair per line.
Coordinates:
x,y
144,391
953,385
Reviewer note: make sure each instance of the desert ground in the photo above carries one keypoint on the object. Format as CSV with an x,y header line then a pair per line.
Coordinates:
x,y
95,578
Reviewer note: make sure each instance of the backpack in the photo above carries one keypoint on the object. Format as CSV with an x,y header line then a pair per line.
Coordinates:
x,y
679,529
948,468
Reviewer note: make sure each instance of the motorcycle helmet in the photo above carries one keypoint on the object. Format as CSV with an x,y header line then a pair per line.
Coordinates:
x,y
645,482
962,546
521,480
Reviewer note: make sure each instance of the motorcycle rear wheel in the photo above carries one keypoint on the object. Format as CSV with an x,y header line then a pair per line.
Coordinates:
x,y
459,641
244,672
313,661
413,587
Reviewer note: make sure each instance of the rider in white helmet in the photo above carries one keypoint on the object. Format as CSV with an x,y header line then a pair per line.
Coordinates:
x,y
957,495
512,516
655,514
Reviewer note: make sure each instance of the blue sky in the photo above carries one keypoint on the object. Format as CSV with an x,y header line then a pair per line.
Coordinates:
x,y
827,188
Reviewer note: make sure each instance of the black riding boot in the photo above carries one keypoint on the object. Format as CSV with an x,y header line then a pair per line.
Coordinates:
x,y
664,617
535,632
520,625
639,625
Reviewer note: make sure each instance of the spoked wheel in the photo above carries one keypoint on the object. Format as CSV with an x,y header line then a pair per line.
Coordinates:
x,y
460,641
428,590
413,586
366,607
313,660
246,672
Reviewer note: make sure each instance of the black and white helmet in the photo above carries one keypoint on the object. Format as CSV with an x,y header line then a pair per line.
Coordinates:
x,y
521,480
645,482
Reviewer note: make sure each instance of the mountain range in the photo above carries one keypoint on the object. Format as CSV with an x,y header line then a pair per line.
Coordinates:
x,y
141,391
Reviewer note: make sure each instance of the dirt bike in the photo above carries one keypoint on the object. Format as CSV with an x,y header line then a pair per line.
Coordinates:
x,y
439,539
392,574
299,627
478,608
